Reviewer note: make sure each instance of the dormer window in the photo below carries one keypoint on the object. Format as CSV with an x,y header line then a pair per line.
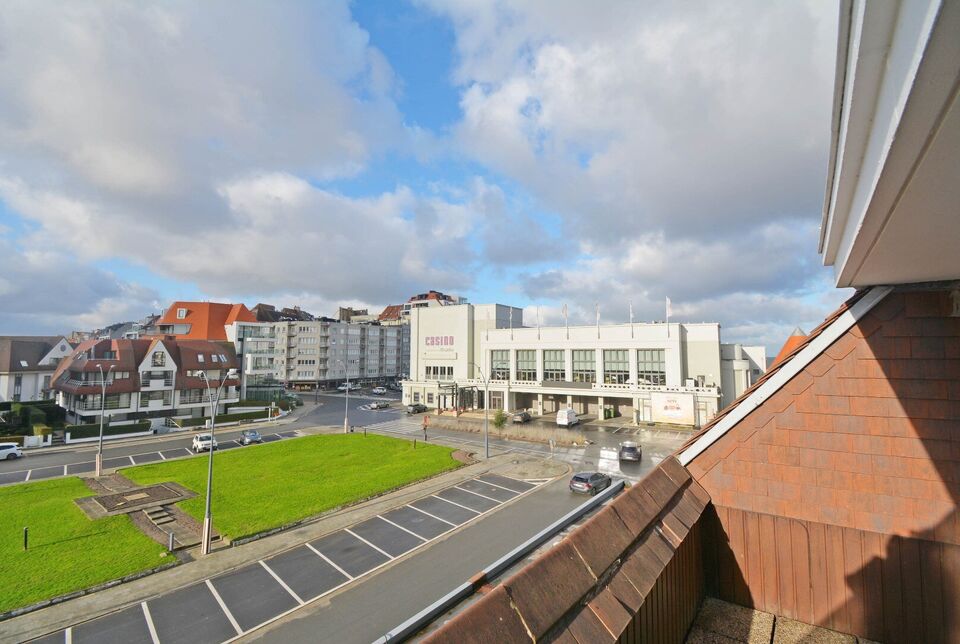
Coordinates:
x,y
181,314
158,359
214,358
200,358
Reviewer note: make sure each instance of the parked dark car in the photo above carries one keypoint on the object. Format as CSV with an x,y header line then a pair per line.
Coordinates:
x,y
521,417
416,408
630,451
589,482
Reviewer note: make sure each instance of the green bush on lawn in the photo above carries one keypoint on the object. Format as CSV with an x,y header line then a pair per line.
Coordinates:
x,y
68,551
266,486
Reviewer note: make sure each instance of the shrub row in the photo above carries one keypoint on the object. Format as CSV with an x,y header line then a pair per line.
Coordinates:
x,y
223,418
93,429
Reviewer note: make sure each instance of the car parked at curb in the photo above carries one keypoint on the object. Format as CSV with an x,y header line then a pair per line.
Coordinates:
x,y
10,451
630,451
521,417
204,442
416,408
250,436
589,482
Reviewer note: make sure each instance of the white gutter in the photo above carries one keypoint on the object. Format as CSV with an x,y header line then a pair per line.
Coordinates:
x,y
786,373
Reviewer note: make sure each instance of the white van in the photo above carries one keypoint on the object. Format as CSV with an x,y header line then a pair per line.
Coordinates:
x,y
566,417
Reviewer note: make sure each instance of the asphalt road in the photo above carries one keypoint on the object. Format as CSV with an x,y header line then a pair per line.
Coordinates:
x,y
363,612
43,464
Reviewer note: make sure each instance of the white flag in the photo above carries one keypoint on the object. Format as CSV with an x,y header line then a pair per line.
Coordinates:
x,y
669,308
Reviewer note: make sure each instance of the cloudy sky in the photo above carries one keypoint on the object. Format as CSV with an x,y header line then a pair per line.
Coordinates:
x,y
534,153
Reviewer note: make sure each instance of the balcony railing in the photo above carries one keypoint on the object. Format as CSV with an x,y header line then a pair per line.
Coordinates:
x,y
90,405
156,383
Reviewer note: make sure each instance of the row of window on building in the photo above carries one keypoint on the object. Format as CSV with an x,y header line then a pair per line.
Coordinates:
x,y
651,365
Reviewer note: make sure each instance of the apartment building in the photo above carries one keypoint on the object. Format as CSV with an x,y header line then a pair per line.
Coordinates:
x,y
151,378
324,352
653,372
27,364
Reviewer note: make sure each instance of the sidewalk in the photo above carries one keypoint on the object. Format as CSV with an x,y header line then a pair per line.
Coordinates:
x,y
60,616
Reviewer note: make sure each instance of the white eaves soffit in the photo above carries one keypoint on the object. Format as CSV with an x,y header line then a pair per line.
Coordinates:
x,y
892,210
785,374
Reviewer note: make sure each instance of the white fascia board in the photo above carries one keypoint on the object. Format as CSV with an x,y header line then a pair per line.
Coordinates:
x,y
786,373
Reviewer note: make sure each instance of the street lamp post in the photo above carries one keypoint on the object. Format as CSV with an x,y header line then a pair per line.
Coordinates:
x,y
207,517
103,406
346,400
486,406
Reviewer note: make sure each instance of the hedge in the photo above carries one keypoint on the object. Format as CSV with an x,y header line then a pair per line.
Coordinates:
x,y
222,418
93,429
41,430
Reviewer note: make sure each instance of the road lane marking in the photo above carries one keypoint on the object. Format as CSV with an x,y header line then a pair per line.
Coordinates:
x,y
506,489
281,582
150,626
432,516
68,635
64,470
482,496
455,503
29,472
162,457
402,528
327,559
380,550
223,606
132,462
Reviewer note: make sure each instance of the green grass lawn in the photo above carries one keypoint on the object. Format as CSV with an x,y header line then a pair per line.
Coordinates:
x,y
265,486
68,551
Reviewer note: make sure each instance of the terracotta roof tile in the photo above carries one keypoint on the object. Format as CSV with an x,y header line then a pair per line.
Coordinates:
x,y
601,540
206,319
611,612
498,623
588,629
624,590
543,592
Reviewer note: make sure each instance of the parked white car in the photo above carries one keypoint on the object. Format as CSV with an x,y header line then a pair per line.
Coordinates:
x,y
567,417
203,442
378,391
10,451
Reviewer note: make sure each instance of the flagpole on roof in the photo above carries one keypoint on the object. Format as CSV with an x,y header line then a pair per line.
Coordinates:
x,y
631,319
538,322
566,322
669,312
597,306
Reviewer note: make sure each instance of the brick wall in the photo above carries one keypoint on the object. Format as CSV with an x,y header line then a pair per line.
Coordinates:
x,y
864,441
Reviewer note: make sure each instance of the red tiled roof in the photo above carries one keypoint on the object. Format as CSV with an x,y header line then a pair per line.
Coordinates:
x,y
206,319
392,312
795,339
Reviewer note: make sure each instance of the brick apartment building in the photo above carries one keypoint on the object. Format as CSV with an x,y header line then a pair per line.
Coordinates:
x,y
828,492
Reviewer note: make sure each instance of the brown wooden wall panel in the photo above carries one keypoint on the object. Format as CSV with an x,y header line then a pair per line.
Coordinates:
x,y
672,604
880,587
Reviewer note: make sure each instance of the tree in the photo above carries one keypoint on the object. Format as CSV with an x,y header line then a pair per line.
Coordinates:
x,y
499,419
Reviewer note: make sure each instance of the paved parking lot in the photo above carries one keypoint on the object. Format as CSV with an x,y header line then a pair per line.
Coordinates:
x,y
21,476
224,607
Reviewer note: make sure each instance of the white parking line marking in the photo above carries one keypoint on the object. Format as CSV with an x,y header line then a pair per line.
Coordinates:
x,y
380,550
132,462
499,486
402,528
64,470
189,452
455,503
150,626
29,472
433,516
162,457
482,496
68,635
281,582
226,611
327,559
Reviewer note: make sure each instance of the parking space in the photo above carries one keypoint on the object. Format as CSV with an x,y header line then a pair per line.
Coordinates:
x,y
13,477
78,468
47,472
146,458
234,603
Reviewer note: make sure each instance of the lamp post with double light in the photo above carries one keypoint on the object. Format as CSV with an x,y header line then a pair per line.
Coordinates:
x,y
214,403
103,406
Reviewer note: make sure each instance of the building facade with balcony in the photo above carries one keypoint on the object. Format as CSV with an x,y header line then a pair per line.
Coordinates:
x,y
655,372
27,364
151,379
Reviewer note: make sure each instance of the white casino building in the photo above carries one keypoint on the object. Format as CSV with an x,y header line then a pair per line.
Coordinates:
x,y
643,372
